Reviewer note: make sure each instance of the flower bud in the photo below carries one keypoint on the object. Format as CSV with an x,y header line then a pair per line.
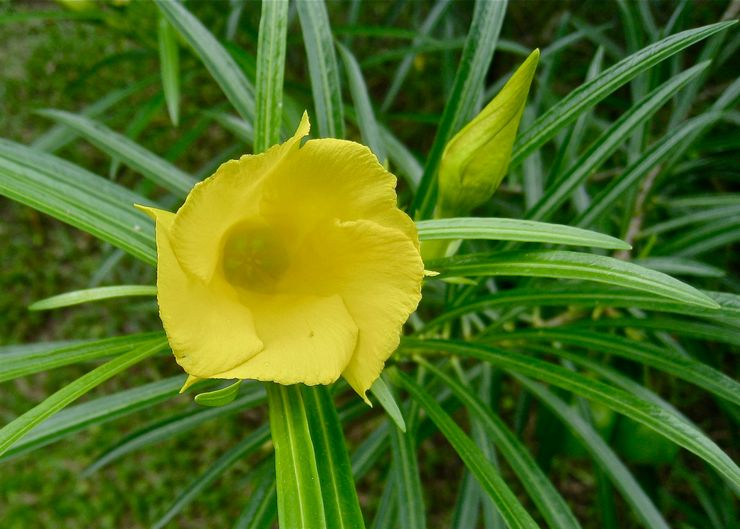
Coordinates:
x,y
475,160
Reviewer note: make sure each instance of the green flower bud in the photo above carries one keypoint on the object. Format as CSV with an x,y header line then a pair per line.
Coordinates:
x,y
475,160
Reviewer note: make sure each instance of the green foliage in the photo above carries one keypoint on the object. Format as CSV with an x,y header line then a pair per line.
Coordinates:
x,y
586,387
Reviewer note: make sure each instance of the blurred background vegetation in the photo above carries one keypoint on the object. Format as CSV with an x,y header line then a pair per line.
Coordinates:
x,y
70,61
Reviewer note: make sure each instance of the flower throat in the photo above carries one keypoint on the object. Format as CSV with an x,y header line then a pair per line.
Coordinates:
x,y
254,257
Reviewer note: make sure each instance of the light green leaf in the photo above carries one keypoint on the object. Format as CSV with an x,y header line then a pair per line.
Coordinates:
x,y
270,71
380,391
632,175
341,504
401,157
365,116
77,197
593,296
237,126
608,142
155,168
704,238
681,266
96,412
219,397
323,68
515,515
18,361
571,265
260,510
617,471
549,502
171,426
430,22
17,428
169,63
590,93
216,59
247,446
654,417
59,135
684,367
299,489
409,497
370,450
77,297
514,230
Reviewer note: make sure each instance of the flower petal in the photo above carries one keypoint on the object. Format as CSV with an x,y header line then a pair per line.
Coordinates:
x,y
330,179
222,200
208,329
308,339
378,273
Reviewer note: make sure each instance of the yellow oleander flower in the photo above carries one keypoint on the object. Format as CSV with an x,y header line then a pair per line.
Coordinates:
x,y
290,266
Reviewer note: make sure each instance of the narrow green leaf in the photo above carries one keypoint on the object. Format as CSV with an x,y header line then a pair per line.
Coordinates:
x,y
702,239
682,327
680,266
13,431
77,297
404,161
608,142
237,126
571,265
551,505
655,155
260,510
299,486
96,412
590,93
683,367
430,22
365,116
515,515
380,391
468,504
169,63
155,168
617,471
514,230
323,68
385,516
654,417
341,504
173,425
35,358
370,450
142,120
687,219
241,450
59,135
480,44
216,59
77,197
270,71
593,296
409,497
219,397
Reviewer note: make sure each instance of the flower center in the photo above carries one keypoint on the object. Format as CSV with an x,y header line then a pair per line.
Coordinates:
x,y
254,257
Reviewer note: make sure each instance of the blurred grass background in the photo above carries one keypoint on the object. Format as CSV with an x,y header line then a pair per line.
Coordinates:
x,y
70,64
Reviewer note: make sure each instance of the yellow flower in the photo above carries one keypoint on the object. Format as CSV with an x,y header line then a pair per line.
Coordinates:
x,y
290,266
